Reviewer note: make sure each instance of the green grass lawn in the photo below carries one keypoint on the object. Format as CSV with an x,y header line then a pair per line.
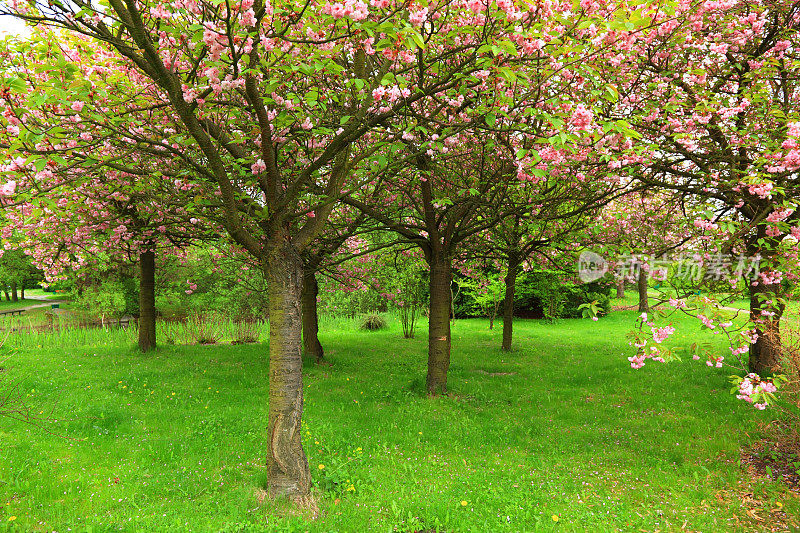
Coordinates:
x,y
561,428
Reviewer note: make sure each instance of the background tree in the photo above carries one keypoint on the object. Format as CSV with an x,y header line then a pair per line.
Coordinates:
x,y
16,273
642,226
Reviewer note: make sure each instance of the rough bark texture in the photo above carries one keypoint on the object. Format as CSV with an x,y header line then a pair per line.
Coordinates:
x,y
621,289
765,353
147,300
310,319
287,465
14,296
644,306
439,326
508,302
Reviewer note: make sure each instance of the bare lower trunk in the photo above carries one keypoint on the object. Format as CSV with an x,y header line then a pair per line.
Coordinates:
x,y
22,292
644,306
765,353
8,296
147,300
508,302
287,465
621,289
310,318
439,326
14,296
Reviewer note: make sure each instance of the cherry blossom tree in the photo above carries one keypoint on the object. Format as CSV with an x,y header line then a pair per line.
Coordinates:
x,y
715,96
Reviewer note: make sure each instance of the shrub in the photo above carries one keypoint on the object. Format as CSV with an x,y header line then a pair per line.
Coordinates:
x,y
576,295
204,329
247,331
373,323
408,319
106,300
539,294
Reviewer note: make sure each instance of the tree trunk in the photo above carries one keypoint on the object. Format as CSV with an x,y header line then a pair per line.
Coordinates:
x,y
644,306
22,292
147,300
310,318
14,296
765,353
508,302
620,288
8,296
287,465
439,325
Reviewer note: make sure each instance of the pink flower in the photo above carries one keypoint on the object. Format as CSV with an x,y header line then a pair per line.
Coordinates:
x,y
476,6
8,188
707,322
249,18
417,18
77,106
660,334
581,118
258,167
637,361
677,304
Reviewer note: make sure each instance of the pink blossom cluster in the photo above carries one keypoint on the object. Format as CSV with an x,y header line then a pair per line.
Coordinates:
x,y
752,386
8,188
677,304
707,322
258,167
751,335
476,6
705,224
762,190
637,361
582,118
740,350
661,334
417,17
391,93
352,9
770,278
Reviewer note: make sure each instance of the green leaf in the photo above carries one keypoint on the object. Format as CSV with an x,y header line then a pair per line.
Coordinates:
x,y
418,40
